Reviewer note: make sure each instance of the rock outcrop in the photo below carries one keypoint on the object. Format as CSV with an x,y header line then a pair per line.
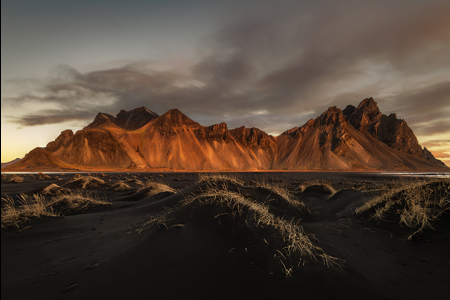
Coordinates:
x,y
394,132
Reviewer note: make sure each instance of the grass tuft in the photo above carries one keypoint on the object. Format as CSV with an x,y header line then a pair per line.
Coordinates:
x,y
153,188
212,178
15,214
419,202
87,181
52,189
120,186
16,179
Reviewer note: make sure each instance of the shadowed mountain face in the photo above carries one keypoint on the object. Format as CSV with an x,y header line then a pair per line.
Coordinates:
x,y
358,138
129,120
395,133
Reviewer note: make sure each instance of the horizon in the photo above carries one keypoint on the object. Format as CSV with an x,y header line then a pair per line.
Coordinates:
x,y
264,64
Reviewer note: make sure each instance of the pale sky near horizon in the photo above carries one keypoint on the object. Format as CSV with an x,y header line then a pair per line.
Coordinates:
x,y
267,64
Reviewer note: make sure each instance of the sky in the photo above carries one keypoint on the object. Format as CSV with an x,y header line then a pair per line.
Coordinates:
x,y
267,64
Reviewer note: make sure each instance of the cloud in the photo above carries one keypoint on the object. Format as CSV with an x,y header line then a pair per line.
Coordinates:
x,y
45,117
293,61
426,109
437,144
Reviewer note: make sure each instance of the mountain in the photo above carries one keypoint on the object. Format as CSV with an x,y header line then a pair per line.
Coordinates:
x,y
10,162
129,120
39,159
356,138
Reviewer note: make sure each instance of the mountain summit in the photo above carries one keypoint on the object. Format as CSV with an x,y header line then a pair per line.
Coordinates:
x,y
356,138
129,120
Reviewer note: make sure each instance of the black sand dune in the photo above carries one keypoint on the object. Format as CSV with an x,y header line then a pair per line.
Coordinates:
x,y
152,244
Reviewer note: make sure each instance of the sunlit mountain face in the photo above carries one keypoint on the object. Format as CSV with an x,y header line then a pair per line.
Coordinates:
x,y
356,138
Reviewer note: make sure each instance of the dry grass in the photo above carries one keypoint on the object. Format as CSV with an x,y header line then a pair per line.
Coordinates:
x,y
15,214
76,200
87,181
421,202
42,176
16,179
53,189
278,188
136,182
293,234
120,186
258,215
28,207
220,178
282,191
153,188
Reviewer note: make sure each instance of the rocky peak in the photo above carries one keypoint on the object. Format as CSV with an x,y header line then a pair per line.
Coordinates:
x,y
216,131
134,119
297,132
394,132
137,111
61,141
219,128
174,117
332,116
253,137
364,115
101,119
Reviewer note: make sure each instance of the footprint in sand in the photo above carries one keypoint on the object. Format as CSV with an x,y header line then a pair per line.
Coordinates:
x,y
70,287
93,266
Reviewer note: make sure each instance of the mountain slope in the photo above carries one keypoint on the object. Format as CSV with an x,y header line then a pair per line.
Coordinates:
x,y
4,165
39,159
330,142
394,132
358,138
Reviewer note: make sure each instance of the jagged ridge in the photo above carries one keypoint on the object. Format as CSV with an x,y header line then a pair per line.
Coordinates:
x,y
357,138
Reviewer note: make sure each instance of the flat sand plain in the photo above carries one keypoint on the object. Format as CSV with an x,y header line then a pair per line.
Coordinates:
x,y
157,245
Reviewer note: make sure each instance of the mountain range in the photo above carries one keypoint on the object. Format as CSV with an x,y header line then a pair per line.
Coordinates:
x,y
356,138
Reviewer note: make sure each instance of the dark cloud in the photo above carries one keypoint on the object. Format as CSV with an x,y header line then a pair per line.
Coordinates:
x,y
282,65
425,109
46,117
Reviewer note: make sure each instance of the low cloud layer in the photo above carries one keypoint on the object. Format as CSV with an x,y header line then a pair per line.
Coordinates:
x,y
275,70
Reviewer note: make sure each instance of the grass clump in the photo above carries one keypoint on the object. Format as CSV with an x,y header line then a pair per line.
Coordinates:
x,y
220,178
42,176
136,182
17,213
16,179
152,188
76,200
417,202
120,186
87,181
277,188
282,191
52,189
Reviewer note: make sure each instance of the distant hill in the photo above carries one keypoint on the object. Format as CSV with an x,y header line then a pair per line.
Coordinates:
x,y
10,163
356,138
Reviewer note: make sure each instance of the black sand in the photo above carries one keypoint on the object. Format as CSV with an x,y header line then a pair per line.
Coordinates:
x,y
98,254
